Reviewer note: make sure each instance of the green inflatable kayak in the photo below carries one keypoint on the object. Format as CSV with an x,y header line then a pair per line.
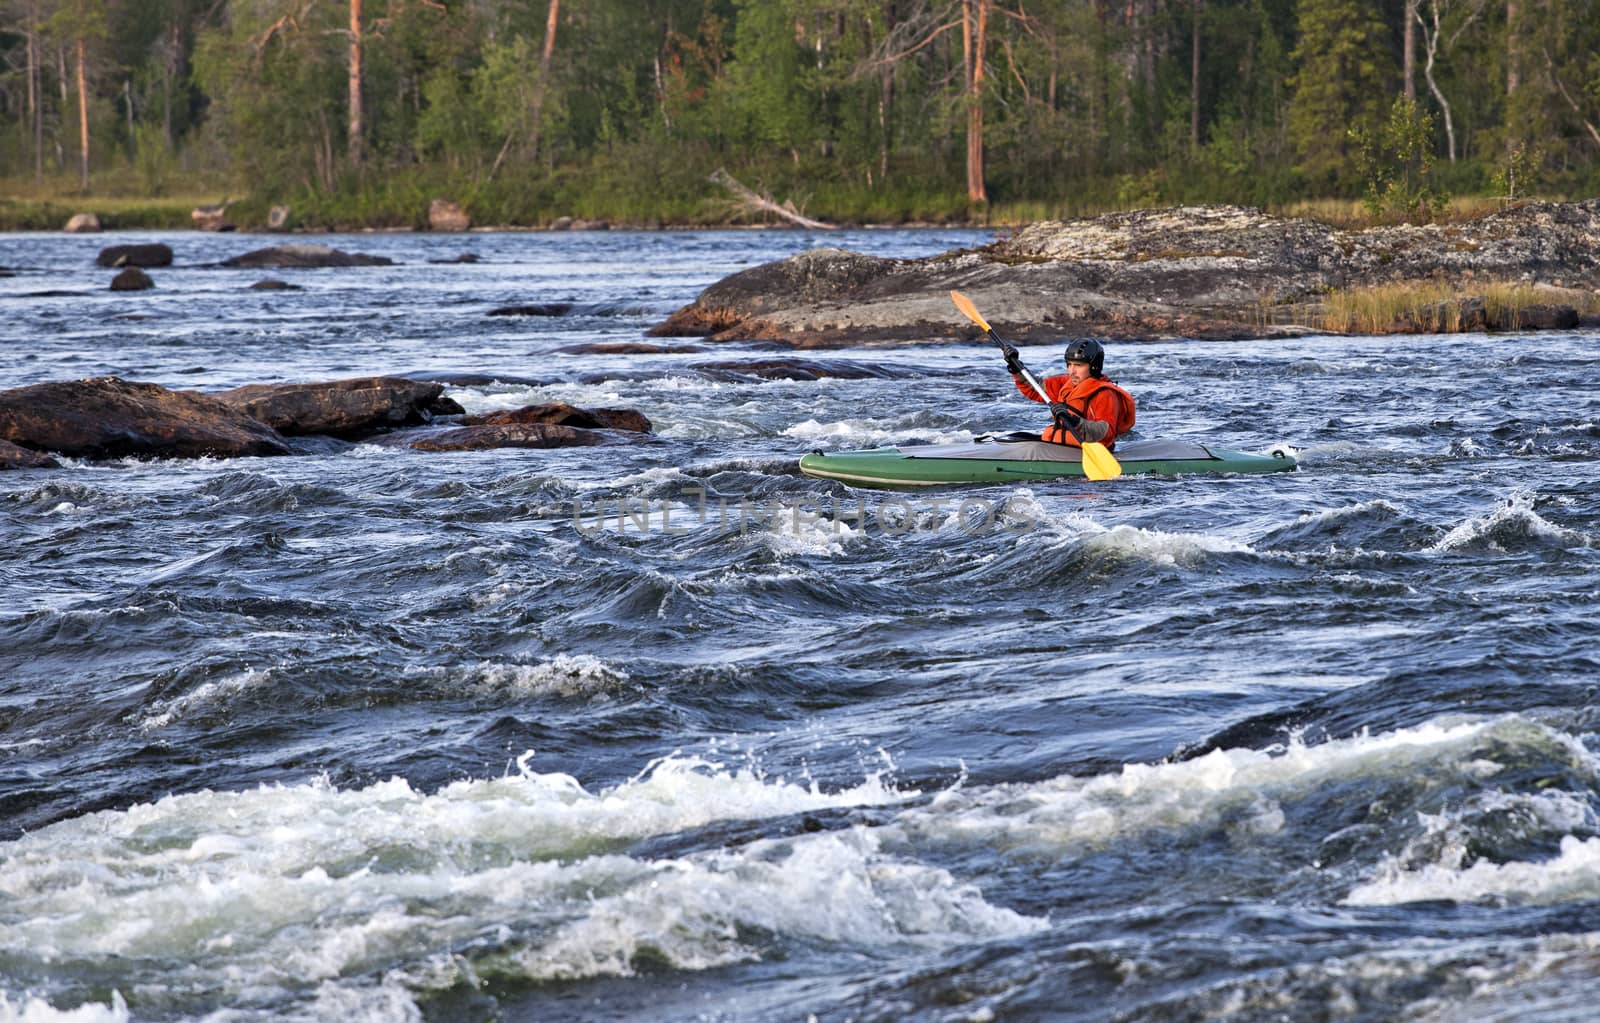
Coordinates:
x,y
1021,457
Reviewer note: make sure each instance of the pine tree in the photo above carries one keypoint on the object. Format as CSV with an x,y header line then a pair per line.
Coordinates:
x,y
1343,82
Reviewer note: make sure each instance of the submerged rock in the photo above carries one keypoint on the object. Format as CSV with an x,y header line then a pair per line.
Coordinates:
x,y
132,279
562,414
341,408
14,457
153,254
108,417
789,369
1208,271
303,256
515,435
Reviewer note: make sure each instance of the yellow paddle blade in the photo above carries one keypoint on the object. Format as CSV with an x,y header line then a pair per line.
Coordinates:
x,y
1099,463
964,304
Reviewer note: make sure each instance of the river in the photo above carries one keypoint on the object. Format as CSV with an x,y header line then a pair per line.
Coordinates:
x,y
668,731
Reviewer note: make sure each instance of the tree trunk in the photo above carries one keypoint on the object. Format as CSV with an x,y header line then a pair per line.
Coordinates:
x,y
357,128
83,112
1194,79
1408,60
1513,71
1431,42
36,90
544,76
974,30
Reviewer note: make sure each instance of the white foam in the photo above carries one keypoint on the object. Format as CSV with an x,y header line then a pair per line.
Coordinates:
x,y
836,888
37,1010
1573,875
1358,510
568,675
1163,548
1515,515
1245,788
805,533
870,433
324,883
207,697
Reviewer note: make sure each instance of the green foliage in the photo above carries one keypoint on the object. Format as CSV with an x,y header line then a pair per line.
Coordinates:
x,y
852,108
1395,162
1517,173
1344,69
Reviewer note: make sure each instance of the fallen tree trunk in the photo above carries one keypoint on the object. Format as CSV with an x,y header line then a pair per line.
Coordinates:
x,y
756,201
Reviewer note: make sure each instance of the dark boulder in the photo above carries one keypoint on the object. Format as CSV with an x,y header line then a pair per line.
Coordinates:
x,y
132,279
149,255
303,257
537,309
272,284
514,435
107,417
342,408
562,414
14,457
1536,317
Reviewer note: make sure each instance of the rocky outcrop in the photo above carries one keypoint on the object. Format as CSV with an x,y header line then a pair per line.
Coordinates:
x,y
153,254
14,457
132,279
107,417
562,414
1209,272
341,408
303,257
82,223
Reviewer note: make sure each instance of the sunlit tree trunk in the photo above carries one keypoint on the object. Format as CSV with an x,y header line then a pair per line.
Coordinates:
x,y
357,128
82,48
1408,59
544,76
974,31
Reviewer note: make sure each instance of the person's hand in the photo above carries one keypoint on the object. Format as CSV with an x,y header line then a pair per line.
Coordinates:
x,y
1013,360
1063,414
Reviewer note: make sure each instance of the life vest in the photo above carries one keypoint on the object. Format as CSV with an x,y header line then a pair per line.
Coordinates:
x,y
1095,398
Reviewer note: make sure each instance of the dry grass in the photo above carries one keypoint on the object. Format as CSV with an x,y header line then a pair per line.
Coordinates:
x,y
1352,214
1437,307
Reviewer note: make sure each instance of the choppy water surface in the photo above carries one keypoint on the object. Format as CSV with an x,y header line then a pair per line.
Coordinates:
x,y
671,732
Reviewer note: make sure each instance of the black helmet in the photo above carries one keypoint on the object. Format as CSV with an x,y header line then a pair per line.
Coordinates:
x,y
1086,350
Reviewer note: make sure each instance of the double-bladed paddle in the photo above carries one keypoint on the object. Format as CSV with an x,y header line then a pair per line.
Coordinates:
x,y
1098,462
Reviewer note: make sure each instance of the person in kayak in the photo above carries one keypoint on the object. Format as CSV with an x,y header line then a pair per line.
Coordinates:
x,y
1083,399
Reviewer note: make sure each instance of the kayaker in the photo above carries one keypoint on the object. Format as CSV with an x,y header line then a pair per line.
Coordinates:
x,y
1082,399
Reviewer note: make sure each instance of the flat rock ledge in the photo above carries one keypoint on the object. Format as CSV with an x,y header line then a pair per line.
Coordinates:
x,y
107,417
342,408
1218,272
303,257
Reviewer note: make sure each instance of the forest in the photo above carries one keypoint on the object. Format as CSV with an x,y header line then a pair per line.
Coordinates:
x,y
354,113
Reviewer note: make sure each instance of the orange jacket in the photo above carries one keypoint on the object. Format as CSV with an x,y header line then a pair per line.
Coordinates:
x,y
1096,398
